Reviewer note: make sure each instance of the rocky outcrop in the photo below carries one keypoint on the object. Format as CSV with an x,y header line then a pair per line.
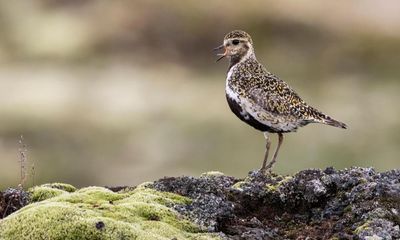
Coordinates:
x,y
356,203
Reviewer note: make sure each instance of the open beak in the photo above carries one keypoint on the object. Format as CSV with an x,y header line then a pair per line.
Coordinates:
x,y
221,55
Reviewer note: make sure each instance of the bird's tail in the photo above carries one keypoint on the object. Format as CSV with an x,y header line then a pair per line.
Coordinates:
x,y
332,122
325,119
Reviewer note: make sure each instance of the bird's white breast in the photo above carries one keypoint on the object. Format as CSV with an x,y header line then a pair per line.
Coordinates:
x,y
232,94
229,91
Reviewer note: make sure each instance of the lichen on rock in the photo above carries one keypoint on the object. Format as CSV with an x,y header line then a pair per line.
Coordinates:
x,y
356,203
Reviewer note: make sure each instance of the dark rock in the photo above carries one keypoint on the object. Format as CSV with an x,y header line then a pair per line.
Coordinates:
x,y
11,200
100,225
209,198
354,203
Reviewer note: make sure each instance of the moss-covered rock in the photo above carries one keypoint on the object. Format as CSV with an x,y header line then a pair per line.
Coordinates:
x,y
49,190
62,186
98,213
356,203
41,193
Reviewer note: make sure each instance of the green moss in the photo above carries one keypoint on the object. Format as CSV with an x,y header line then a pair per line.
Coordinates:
x,y
363,180
238,185
212,174
279,181
41,193
347,209
273,186
61,186
362,228
270,188
98,213
165,198
285,179
49,190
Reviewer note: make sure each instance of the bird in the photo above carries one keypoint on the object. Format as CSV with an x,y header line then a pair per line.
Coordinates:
x,y
261,99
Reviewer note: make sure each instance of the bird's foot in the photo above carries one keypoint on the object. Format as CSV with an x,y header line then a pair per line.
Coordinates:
x,y
265,171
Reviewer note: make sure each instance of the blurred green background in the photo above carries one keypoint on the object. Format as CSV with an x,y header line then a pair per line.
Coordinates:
x,y
122,92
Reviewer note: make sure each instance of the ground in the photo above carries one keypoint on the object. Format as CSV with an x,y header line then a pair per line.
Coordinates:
x,y
356,203
59,211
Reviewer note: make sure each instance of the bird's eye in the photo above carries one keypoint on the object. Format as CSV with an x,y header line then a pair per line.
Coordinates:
x,y
235,42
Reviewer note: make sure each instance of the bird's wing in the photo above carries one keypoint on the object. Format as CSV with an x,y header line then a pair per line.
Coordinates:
x,y
274,103
275,97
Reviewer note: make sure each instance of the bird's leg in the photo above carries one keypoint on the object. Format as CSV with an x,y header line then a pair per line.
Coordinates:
x,y
280,140
267,146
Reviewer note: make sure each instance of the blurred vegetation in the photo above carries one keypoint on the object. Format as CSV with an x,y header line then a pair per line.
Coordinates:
x,y
120,92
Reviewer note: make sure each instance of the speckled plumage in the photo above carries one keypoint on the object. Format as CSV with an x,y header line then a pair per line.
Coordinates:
x,y
260,98
238,34
263,96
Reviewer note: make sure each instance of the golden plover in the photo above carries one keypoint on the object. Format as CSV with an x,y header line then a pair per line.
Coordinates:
x,y
260,98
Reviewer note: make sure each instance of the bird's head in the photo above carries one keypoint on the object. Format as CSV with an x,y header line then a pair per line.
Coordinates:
x,y
237,44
